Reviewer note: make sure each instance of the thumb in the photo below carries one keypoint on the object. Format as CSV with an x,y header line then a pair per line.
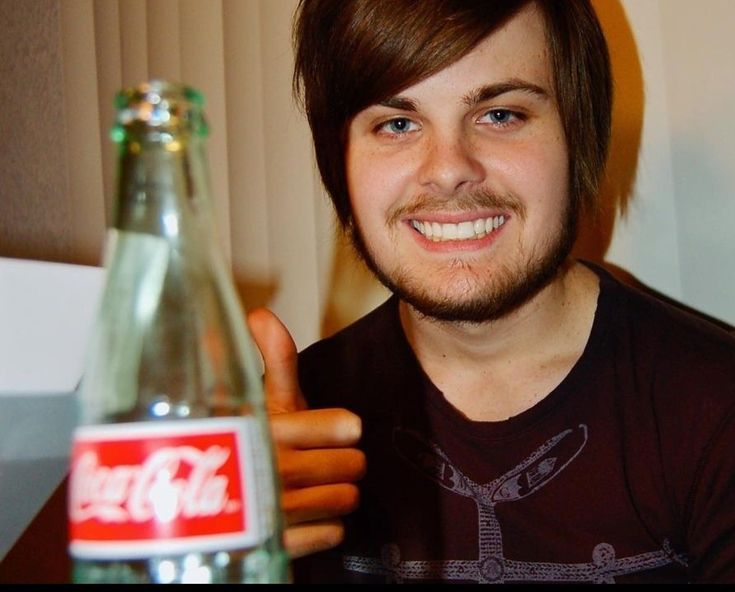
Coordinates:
x,y
278,349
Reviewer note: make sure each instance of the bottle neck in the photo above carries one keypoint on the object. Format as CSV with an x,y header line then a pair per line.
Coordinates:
x,y
163,189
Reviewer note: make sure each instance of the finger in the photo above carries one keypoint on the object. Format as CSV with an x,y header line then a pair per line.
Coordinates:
x,y
316,428
313,537
306,468
280,360
319,502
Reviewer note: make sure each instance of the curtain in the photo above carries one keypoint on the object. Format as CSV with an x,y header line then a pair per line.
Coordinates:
x,y
274,221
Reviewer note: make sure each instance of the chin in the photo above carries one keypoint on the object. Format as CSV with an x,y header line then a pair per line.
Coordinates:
x,y
487,296
481,309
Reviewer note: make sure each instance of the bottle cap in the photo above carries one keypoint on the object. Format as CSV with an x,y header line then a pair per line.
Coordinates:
x,y
159,111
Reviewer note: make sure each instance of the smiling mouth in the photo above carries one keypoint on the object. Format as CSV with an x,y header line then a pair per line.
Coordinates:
x,y
468,230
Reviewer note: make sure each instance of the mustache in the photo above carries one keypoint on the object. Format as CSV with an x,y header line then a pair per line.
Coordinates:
x,y
473,200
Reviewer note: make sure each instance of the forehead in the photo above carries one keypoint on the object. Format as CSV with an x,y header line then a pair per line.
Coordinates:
x,y
516,51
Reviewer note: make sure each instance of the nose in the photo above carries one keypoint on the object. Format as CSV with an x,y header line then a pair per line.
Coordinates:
x,y
450,164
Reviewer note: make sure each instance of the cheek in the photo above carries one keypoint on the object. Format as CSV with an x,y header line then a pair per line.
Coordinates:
x,y
538,172
554,170
376,182
354,172
361,192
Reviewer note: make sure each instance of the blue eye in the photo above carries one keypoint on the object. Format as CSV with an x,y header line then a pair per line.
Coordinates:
x,y
501,117
398,125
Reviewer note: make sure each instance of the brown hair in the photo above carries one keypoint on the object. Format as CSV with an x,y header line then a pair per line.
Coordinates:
x,y
351,54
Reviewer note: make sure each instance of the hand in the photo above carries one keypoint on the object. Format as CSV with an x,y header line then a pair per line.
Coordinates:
x,y
317,461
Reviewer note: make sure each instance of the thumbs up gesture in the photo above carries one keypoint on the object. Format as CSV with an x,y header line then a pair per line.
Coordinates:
x,y
317,461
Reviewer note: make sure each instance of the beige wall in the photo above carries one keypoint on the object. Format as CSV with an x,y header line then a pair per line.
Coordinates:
x,y
669,192
678,234
35,213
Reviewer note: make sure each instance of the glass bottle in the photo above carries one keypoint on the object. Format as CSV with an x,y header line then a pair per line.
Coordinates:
x,y
172,475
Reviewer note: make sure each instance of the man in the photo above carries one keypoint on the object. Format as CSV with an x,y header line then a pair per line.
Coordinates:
x,y
510,414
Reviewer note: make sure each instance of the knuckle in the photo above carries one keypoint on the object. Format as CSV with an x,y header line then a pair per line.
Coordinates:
x,y
352,426
350,464
332,535
351,498
347,426
306,539
360,464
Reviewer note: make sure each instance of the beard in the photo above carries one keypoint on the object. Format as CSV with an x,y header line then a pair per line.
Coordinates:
x,y
488,299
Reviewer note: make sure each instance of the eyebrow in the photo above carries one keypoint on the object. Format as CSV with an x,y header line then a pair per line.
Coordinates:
x,y
399,103
484,93
490,91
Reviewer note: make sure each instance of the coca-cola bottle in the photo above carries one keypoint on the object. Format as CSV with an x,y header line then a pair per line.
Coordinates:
x,y
172,472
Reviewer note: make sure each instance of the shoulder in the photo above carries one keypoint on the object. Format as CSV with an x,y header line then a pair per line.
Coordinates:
x,y
662,331
350,357
666,361
362,334
676,363
673,372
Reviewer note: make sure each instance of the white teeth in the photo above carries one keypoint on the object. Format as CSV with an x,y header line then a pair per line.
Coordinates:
x,y
468,230
449,231
465,230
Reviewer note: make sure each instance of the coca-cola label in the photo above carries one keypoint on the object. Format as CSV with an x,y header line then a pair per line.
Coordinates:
x,y
155,488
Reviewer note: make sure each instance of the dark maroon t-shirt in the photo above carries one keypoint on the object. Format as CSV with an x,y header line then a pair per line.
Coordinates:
x,y
624,473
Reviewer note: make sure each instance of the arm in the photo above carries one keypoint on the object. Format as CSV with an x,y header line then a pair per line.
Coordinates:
x,y
317,459
711,509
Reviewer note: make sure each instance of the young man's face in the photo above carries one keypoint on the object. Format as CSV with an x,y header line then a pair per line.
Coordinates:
x,y
459,184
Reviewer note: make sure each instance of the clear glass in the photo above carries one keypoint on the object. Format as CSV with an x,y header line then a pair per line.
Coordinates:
x,y
170,343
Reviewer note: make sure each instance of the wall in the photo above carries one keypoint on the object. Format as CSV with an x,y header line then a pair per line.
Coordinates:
x,y
34,209
677,236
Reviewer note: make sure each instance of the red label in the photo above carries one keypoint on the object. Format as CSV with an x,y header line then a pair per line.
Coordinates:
x,y
160,487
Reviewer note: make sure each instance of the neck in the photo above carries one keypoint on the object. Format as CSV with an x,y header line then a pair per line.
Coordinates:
x,y
493,370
